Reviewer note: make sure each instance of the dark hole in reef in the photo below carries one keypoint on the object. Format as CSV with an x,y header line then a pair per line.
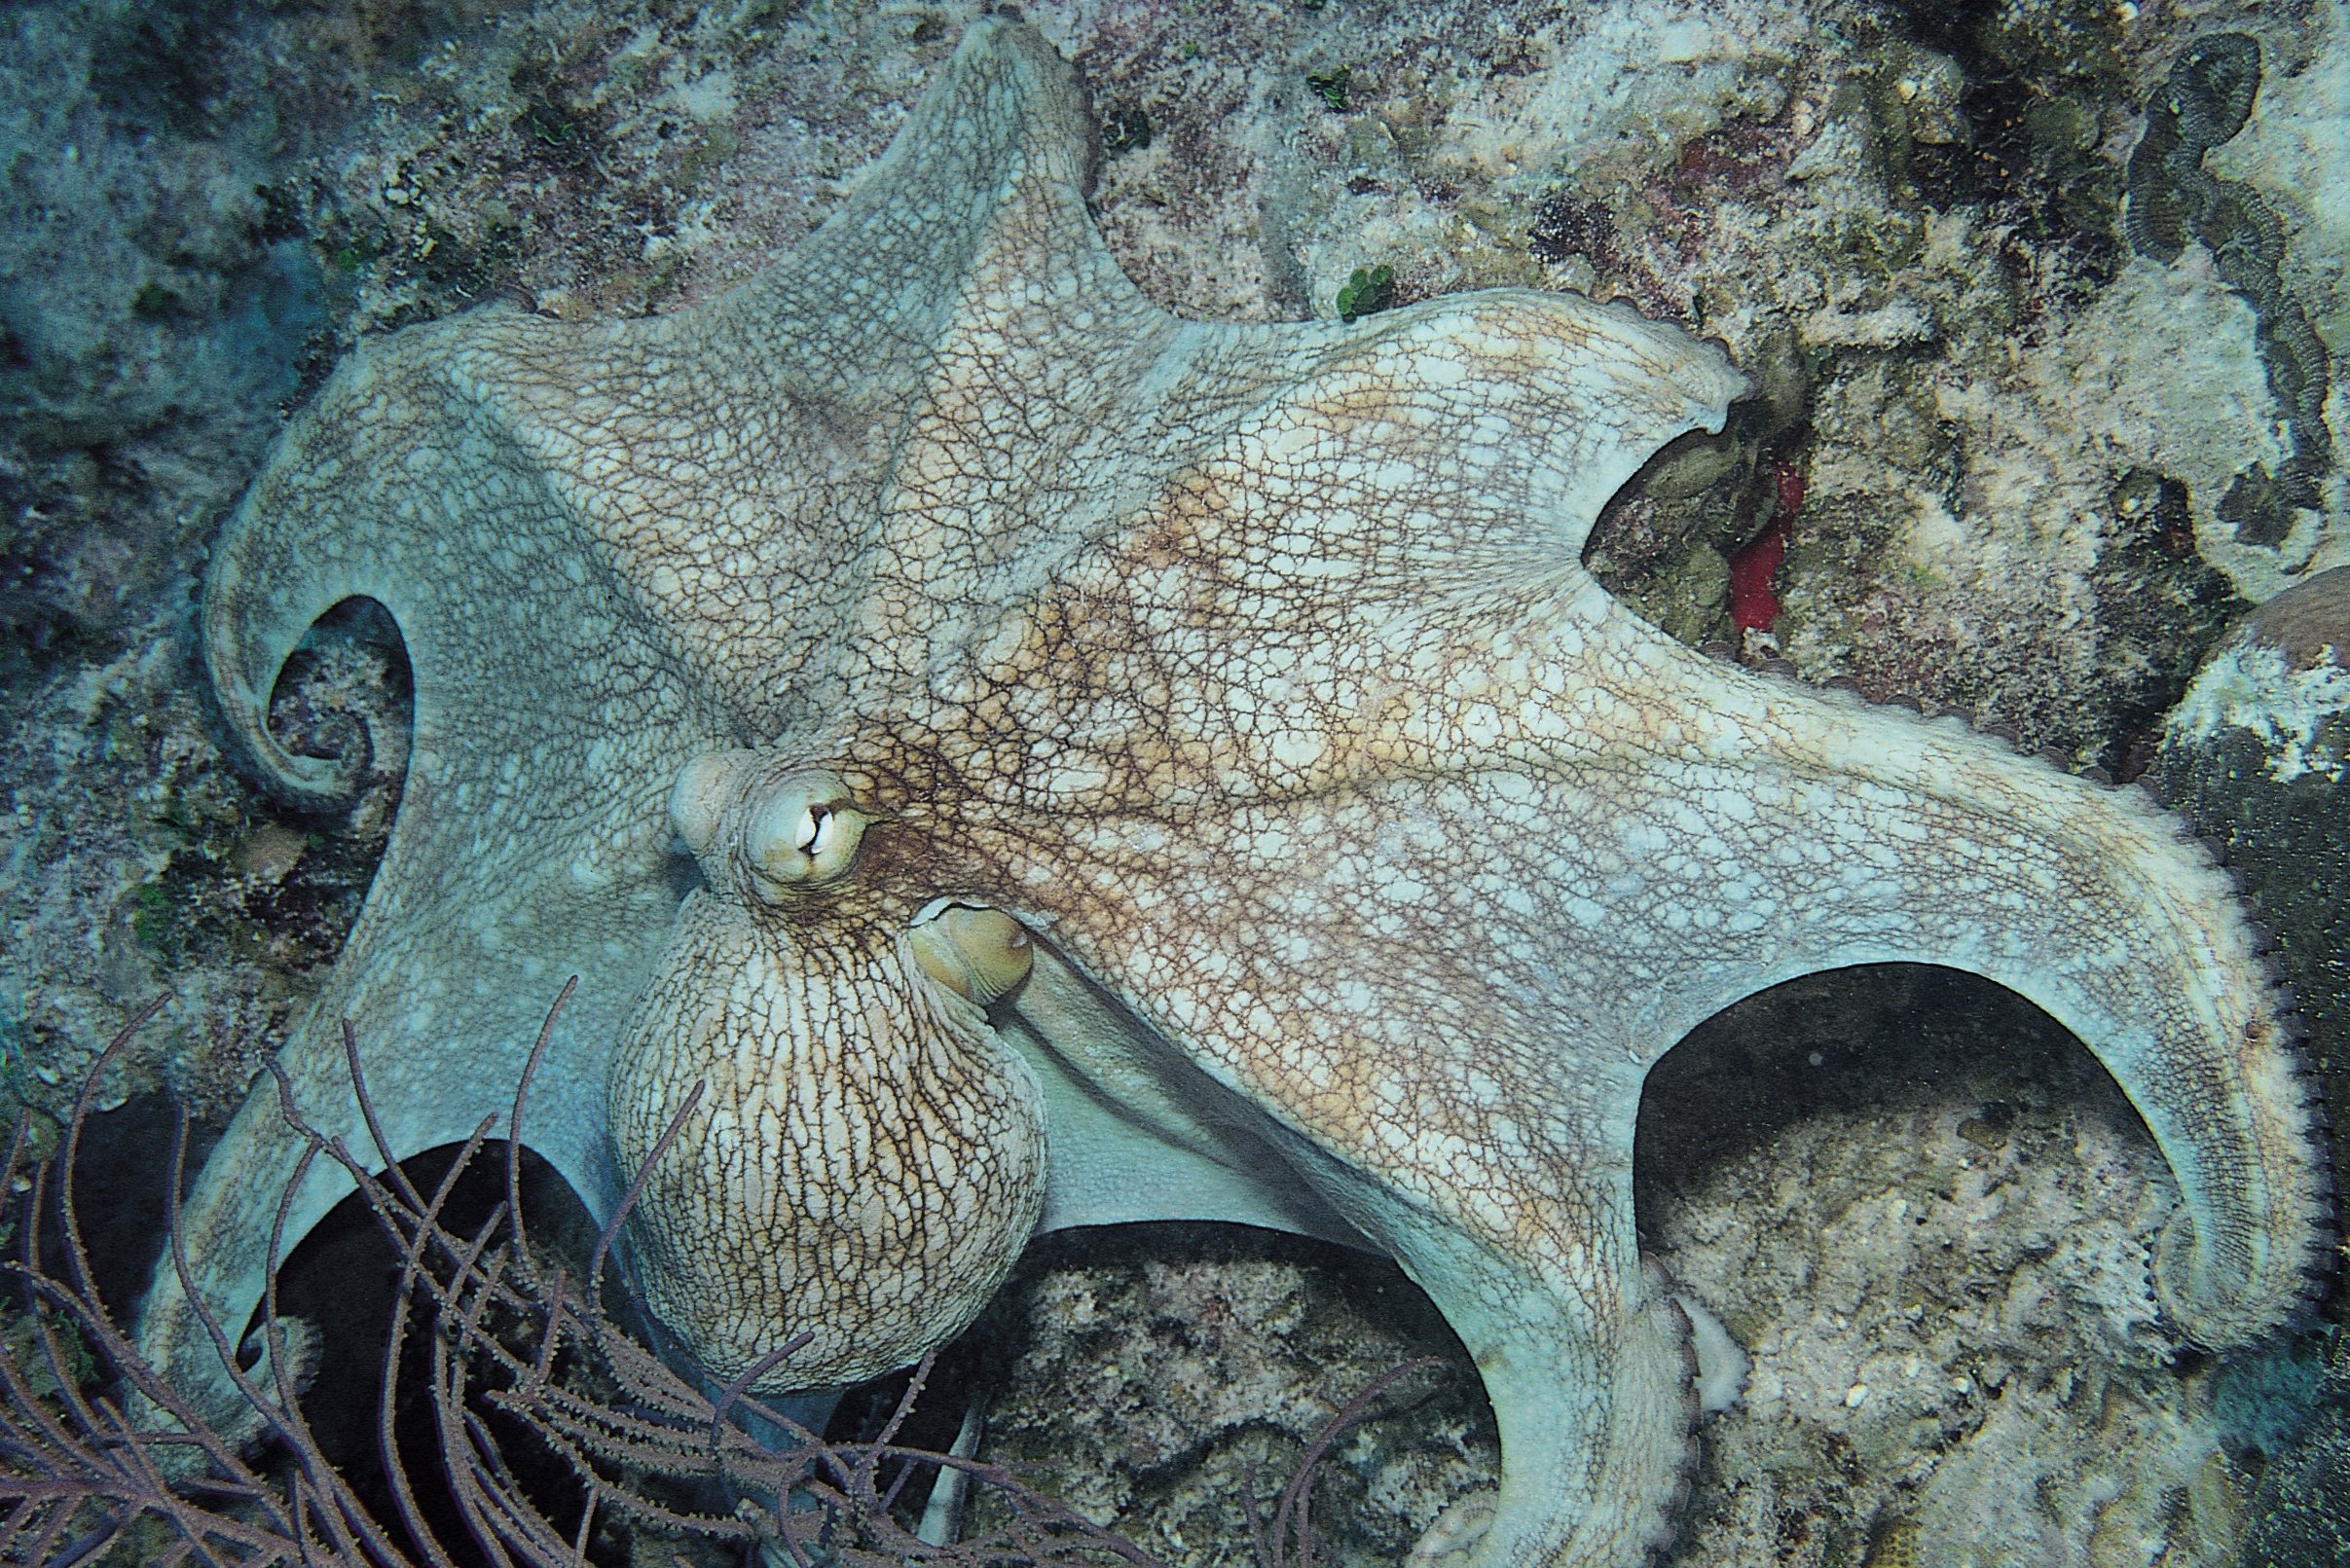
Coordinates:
x,y
343,1279
340,1277
1868,1037
347,694
2030,109
120,1177
2258,508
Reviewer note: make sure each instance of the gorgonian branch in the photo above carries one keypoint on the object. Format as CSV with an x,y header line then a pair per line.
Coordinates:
x,y
518,1351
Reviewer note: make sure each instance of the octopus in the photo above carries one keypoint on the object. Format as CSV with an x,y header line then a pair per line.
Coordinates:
x,y
999,757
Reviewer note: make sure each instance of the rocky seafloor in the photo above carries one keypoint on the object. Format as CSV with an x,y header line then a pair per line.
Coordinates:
x,y
2043,301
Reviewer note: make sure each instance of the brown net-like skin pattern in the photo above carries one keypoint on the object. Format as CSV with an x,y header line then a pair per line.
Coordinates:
x,y
880,1162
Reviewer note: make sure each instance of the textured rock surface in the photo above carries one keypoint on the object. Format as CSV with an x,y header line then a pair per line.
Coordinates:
x,y
1930,1226
2298,1516
1155,1377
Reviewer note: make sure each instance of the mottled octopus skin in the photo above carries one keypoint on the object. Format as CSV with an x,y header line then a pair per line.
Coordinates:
x,y
1372,853
863,1137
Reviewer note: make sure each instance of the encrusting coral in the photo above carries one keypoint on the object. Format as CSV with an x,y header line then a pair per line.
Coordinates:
x,y
2174,199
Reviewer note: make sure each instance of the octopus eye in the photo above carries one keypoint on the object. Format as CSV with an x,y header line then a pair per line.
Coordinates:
x,y
804,835
819,830
977,954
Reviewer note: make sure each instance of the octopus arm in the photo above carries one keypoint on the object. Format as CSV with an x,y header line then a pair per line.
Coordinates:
x,y
1859,835
514,862
1443,994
